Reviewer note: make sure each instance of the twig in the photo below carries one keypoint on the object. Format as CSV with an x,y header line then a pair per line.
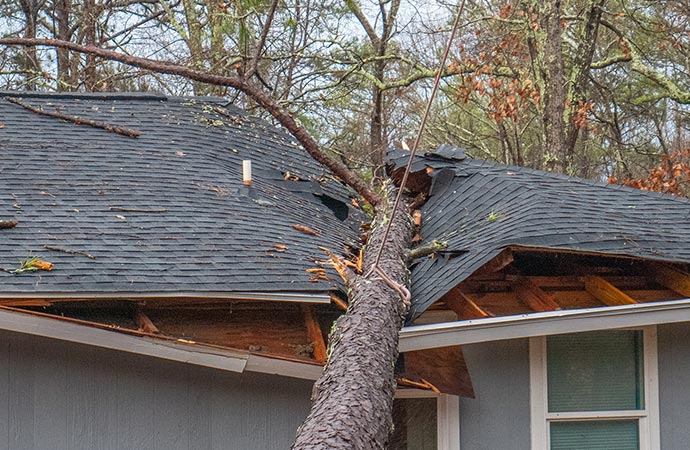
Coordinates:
x,y
8,224
118,208
71,252
401,289
75,120
423,384
262,39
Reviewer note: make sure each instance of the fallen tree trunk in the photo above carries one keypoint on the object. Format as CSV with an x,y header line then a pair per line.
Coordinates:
x,y
353,399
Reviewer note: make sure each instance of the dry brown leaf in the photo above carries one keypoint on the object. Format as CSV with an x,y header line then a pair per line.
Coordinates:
x,y
306,230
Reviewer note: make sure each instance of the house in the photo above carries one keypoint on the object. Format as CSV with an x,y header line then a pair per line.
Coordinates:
x,y
186,309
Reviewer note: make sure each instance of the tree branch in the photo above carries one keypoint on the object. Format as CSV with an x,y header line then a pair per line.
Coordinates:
x,y
262,39
243,85
353,5
425,250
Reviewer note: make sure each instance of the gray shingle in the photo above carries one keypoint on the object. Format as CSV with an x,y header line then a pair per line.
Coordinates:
x,y
487,207
64,183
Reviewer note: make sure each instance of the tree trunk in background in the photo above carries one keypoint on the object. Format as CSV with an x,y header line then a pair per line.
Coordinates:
x,y
351,409
30,62
61,9
194,41
89,20
553,76
584,54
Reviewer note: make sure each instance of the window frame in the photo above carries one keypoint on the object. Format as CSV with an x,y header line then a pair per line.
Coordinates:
x,y
648,418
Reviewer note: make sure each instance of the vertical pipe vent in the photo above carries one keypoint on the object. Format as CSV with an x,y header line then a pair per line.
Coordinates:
x,y
247,172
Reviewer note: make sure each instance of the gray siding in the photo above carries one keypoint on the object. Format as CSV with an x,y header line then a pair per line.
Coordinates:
x,y
498,418
56,395
674,385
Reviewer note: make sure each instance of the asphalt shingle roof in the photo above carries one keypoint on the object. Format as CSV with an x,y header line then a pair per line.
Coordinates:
x,y
79,188
480,208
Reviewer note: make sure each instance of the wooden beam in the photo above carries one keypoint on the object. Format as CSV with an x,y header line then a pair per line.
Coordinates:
x,y
672,278
464,306
24,302
314,333
607,293
533,296
144,323
501,260
337,301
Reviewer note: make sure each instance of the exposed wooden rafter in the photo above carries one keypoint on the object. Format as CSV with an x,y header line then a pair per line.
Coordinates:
x,y
465,307
607,293
314,333
673,279
533,296
337,301
500,262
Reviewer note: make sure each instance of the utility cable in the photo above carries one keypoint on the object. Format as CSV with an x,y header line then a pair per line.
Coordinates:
x,y
437,80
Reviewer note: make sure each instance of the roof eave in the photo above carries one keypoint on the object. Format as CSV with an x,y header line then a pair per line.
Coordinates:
x,y
299,297
36,324
543,324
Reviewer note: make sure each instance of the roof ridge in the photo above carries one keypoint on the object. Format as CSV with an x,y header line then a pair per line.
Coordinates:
x,y
86,95
574,179
106,96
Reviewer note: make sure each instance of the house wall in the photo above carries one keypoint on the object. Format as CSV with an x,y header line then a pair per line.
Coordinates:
x,y
498,416
674,385
57,395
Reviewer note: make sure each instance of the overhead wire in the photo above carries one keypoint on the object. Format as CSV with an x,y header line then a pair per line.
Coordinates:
x,y
437,80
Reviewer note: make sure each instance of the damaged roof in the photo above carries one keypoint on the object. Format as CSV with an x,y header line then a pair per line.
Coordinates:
x,y
165,212
480,208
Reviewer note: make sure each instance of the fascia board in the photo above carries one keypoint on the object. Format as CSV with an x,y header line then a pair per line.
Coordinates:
x,y
26,323
299,297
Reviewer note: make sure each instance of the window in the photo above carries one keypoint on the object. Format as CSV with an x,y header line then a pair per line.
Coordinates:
x,y
595,391
425,421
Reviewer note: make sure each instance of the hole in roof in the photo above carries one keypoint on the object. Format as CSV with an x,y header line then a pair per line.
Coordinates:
x,y
340,209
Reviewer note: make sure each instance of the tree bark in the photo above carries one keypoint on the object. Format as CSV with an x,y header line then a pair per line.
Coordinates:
x,y
553,74
89,20
62,9
30,62
353,399
582,62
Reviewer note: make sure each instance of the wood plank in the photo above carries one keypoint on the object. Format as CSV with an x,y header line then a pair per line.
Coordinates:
x,y
533,296
673,279
464,306
314,333
339,302
498,263
607,293
143,322
24,302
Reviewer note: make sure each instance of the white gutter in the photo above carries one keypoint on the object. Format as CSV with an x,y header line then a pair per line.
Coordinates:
x,y
543,324
181,351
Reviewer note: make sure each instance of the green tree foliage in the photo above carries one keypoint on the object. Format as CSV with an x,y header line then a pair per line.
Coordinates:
x,y
609,97
586,87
